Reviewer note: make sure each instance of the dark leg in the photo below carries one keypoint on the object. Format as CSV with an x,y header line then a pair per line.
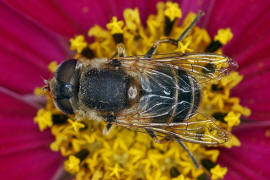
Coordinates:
x,y
115,63
120,51
189,153
153,48
109,120
152,135
183,35
155,138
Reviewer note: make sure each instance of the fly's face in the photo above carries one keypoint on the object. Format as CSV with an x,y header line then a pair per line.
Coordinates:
x,y
63,86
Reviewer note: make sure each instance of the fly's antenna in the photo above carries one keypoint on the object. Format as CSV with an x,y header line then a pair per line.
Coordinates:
x,y
184,34
46,86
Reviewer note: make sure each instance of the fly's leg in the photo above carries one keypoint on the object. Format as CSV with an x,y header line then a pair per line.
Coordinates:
x,y
109,119
120,51
154,47
152,134
195,162
156,140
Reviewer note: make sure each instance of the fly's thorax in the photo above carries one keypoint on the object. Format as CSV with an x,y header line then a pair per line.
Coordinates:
x,y
95,63
106,89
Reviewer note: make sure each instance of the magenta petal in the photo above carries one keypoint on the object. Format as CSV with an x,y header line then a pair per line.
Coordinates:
x,y
254,93
240,16
25,52
255,58
250,48
39,163
251,30
194,6
13,105
87,13
46,14
24,150
251,159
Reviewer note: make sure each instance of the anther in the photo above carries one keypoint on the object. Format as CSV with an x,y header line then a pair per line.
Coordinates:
x,y
213,46
168,26
87,52
220,116
82,154
118,38
59,119
208,164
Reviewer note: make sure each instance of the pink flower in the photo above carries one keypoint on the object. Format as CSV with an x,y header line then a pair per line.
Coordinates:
x,y
36,32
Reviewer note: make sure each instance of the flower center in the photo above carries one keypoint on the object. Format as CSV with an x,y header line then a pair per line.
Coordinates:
x,y
123,153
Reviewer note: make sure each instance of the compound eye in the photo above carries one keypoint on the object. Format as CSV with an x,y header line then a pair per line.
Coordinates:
x,y
65,70
64,105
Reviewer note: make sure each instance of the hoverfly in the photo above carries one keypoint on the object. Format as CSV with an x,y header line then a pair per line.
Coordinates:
x,y
156,93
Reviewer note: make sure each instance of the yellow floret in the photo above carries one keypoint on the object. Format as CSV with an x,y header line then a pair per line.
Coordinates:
x,y
224,36
172,11
218,172
78,43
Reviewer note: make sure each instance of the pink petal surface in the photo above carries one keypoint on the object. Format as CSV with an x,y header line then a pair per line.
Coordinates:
x,y
47,15
34,164
251,159
254,93
25,52
241,17
24,150
68,18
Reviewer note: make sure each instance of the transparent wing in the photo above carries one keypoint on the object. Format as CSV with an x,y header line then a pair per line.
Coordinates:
x,y
156,101
203,66
198,129
166,92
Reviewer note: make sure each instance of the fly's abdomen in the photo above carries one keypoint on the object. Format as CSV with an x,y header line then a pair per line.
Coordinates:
x,y
168,95
188,96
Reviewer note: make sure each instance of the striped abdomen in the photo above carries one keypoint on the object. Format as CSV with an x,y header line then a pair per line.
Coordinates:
x,y
168,95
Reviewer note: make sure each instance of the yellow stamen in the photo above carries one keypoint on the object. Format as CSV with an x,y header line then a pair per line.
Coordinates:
x,y
55,146
52,66
77,144
233,142
212,154
44,119
218,172
76,125
132,19
39,91
224,36
184,47
233,119
72,164
115,171
172,11
78,43
115,26
180,177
